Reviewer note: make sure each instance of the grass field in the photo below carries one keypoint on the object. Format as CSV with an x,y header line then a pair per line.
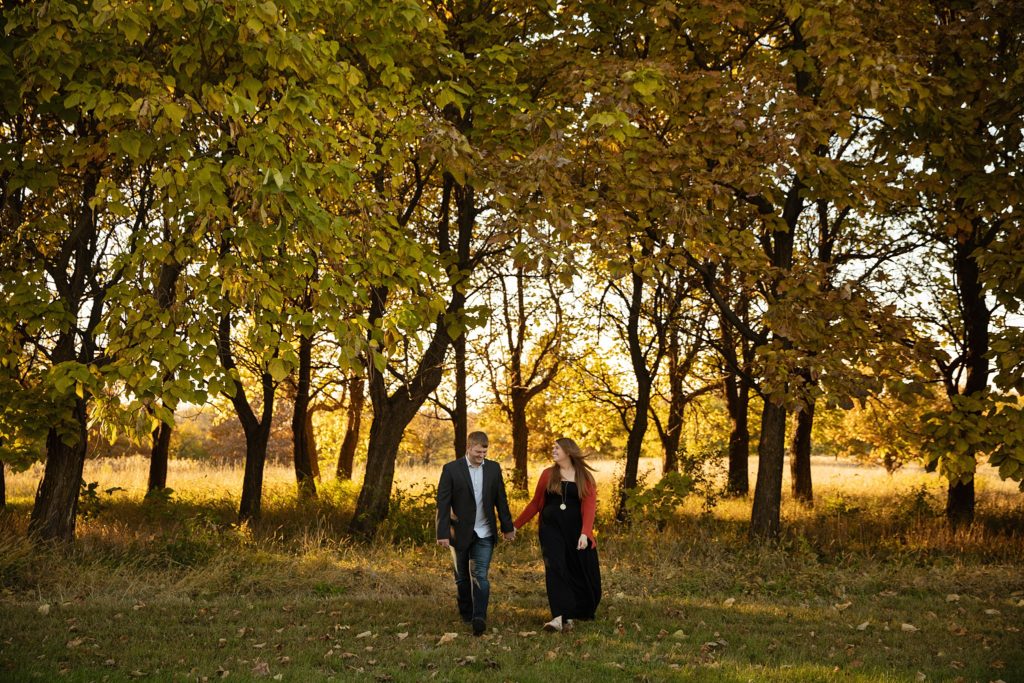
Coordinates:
x,y
868,585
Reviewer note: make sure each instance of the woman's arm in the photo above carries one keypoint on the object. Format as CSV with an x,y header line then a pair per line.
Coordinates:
x,y
535,505
588,506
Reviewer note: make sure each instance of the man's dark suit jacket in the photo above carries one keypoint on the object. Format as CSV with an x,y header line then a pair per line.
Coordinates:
x,y
456,504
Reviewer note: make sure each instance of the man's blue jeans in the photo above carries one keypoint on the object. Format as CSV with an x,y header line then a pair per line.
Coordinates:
x,y
471,566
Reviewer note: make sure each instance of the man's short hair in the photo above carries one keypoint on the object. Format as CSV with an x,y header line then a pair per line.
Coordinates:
x,y
477,439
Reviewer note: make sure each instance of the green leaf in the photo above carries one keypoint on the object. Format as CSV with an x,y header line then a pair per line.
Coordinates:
x,y
277,369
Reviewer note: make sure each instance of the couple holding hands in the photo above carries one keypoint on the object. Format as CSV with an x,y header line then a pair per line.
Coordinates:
x,y
471,489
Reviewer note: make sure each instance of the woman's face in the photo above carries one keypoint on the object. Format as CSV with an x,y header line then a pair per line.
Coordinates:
x,y
559,456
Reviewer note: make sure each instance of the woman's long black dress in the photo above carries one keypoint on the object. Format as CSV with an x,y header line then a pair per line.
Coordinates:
x,y
573,577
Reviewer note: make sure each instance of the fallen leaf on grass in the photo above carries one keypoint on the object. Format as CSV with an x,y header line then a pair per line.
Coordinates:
x,y
993,612
72,644
679,635
447,638
952,597
729,602
842,606
44,609
863,626
909,628
920,676
463,661
527,634
261,669
365,634
402,636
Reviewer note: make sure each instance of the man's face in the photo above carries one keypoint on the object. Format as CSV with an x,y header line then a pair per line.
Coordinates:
x,y
476,454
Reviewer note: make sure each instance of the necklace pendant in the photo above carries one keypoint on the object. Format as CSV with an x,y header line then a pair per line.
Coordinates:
x,y
562,506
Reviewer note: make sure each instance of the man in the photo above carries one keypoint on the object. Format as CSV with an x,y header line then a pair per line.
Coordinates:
x,y
467,495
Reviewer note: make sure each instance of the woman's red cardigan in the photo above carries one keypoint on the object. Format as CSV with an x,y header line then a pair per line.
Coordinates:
x,y
588,505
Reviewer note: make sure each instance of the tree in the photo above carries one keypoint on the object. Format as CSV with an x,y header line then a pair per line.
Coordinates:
x,y
731,118
686,333
964,132
481,127
521,349
77,196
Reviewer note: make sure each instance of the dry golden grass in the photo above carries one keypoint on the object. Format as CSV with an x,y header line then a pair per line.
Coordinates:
x,y
176,590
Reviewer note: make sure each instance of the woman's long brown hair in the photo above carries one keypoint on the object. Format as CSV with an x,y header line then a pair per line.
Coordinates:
x,y
584,479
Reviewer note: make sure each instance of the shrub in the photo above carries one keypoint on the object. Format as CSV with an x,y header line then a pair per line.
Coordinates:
x,y
412,515
89,502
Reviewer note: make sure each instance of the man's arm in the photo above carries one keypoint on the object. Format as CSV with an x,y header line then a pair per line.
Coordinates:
x,y
504,515
444,506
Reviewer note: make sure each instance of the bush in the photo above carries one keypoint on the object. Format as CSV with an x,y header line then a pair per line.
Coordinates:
x,y
412,515
918,503
658,503
89,502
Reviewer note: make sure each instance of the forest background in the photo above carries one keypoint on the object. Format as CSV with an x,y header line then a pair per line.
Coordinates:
x,y
646,226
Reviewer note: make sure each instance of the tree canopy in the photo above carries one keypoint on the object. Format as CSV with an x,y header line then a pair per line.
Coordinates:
x,y
614,208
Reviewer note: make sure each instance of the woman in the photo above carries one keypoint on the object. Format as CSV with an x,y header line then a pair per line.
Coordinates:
x,y
566,498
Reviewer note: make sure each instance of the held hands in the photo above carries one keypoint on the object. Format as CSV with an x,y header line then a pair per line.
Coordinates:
x,y
509,535
582,543
444,542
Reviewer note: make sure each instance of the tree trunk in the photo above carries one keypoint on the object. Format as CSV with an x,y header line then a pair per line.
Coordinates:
x,y
56,504
976,316
960,504
252,482
461,417
257,429
347,452
158,458
634,445
800,454
520,439
637,431
300,418
765,520
676,408
392,414
737,400
312,452
771,452
166,294
373,504
3,486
